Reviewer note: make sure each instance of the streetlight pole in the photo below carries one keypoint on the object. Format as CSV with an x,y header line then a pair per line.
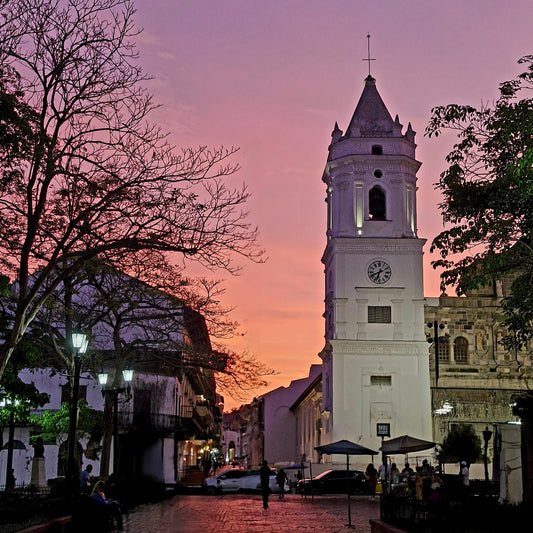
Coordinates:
x,y
79,344
435,340
127,375
115,431
487,434
10,478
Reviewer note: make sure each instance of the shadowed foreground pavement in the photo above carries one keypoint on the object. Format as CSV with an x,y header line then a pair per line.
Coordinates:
x,y
244,514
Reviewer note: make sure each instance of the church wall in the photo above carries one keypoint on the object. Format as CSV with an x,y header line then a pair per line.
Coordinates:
x,y
364,396
478,387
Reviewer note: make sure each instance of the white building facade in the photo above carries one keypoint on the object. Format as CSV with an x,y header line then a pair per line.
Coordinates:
x,y
375,359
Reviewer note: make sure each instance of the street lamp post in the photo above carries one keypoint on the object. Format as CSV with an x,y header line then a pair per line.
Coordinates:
x,y
79,344
127,375
487,434
435,340
7,402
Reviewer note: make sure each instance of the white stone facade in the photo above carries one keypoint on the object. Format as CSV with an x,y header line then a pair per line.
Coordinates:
x,y
375,361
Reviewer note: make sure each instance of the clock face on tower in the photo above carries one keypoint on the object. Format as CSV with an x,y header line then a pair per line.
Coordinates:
x,y
379,272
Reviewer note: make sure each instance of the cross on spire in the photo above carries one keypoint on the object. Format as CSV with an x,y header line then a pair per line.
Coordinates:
x,y
368,59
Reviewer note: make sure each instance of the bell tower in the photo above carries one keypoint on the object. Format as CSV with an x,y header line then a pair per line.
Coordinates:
x,y
376,358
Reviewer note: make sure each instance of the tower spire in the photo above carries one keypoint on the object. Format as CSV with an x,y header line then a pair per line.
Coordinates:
x,y
368,59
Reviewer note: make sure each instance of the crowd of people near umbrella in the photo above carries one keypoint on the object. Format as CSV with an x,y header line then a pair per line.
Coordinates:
x,y
418,483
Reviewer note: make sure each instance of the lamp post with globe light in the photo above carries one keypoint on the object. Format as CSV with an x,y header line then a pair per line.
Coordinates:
x,y
7,403
127,375
487,434
79,345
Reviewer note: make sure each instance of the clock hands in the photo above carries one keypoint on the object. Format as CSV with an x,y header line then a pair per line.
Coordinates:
x,y
379,272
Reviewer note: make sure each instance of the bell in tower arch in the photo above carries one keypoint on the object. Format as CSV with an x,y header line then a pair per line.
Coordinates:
x,y
376,204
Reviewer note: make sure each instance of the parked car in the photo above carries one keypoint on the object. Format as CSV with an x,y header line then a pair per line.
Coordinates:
x,y
252,481
234,480
333,482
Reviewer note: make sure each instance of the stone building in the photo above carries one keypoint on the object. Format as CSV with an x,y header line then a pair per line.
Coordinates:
x,y
477,381
248,423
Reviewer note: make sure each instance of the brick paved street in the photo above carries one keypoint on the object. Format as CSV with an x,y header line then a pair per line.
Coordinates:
x,y
244,514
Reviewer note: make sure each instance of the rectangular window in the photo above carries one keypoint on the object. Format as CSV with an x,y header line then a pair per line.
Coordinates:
x,y
381,381
379,314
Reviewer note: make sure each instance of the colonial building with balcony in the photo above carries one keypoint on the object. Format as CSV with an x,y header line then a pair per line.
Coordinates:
x,y
167,419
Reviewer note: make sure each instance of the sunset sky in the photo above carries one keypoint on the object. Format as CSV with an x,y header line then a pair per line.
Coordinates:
x,y
272,77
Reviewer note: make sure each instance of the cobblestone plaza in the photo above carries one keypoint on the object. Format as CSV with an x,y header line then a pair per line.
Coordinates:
x,y
244,514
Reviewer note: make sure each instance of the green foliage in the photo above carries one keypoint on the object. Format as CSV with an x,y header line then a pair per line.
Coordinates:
x,y
20,411
488,200
4,285
55,424
461,444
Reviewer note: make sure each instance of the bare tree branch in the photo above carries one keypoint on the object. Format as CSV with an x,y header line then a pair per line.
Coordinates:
x,y
97,180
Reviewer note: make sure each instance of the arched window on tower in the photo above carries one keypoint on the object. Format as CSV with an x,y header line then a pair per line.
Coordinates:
x,y
376,204
460,350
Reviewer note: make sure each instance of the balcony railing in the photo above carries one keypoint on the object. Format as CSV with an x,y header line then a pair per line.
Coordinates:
x,y
190,418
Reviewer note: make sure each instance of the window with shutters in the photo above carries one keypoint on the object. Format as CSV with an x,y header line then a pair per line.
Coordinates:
x,y
381,381
379,314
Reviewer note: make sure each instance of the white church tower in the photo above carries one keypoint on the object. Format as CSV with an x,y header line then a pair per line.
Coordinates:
x,y
376,357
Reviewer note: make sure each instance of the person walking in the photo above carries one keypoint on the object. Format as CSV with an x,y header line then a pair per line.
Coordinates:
x,y
264,474
419,484
394,475
371,475
464,477
384,476
281,479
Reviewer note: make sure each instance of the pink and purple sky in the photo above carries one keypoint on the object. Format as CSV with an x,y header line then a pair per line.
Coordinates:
x,y
272,77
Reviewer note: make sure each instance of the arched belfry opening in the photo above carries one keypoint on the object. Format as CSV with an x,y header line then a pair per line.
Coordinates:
x,y
377,204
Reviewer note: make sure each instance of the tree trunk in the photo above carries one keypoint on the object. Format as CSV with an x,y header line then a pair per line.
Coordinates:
x,y
5,353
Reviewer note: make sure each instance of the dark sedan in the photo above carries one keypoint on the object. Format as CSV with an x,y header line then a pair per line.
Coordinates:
x,y
333,482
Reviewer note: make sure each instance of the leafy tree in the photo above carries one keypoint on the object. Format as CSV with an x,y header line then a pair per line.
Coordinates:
x,y
55,424
93,178
488,200
461,444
